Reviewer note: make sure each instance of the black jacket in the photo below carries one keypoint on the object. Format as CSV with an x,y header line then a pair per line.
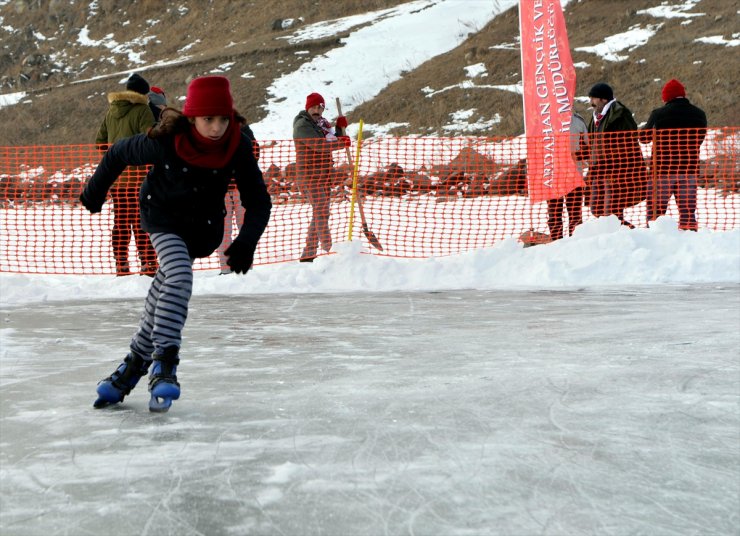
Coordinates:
x,y
676,151
182,199
246,129
313,152
614,153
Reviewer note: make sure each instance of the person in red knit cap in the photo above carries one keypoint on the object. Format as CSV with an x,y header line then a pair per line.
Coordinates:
x,y
678,129
315,139
157,101
193,154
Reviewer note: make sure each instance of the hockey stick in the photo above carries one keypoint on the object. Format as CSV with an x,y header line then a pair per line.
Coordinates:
x,y
365,229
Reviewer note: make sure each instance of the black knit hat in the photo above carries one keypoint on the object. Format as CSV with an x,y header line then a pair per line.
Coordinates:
x,y
601,91
138,84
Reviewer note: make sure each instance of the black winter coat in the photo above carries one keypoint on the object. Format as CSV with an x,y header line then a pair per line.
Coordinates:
x,y
313,153
676,152
183,199
614,153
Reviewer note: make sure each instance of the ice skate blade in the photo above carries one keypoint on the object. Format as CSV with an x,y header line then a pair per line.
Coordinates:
x,y
163,392
107,395
159,404
101,403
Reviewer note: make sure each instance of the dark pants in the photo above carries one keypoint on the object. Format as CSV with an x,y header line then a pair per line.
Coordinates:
x,y
683,188
603,197
600,194
125,222
573,202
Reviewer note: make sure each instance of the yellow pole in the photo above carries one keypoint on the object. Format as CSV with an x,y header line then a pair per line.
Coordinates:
x,y
355,168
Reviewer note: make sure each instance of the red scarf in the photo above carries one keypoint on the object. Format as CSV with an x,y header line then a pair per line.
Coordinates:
x,y
206,153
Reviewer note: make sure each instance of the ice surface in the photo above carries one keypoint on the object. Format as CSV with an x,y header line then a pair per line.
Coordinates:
x,y
592,411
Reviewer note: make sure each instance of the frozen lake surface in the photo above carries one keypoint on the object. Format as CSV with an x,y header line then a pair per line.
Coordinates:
x,y
609,411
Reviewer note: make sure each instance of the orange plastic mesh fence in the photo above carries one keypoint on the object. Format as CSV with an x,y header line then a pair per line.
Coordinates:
x,y
420,197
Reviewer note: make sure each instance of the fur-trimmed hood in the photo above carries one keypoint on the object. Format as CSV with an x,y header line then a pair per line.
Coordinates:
x,y
131,96
128,114
122,103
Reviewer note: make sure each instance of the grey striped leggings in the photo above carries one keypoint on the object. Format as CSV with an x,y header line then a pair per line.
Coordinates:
x,y
166,306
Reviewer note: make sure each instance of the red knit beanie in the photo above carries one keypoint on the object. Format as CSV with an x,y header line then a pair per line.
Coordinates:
x,y
208,96
672,90
313,99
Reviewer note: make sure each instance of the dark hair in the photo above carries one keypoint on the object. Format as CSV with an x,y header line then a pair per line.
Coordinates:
x,y
172,121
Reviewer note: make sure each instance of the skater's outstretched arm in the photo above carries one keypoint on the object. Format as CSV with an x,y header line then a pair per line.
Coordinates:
x,y
133,151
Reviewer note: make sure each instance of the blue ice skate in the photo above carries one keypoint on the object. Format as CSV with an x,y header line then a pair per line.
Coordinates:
x,y
163,379
115,387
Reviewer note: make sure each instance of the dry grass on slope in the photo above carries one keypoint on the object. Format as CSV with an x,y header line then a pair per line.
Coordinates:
x,y
68,107
65,111
708,71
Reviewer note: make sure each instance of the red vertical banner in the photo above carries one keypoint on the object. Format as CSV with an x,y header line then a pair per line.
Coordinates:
x,y
549,81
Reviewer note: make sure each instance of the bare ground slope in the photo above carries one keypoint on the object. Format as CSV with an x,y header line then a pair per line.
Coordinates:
x,y
67,82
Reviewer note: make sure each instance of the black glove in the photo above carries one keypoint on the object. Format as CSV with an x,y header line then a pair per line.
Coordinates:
x,y
241,255
93,208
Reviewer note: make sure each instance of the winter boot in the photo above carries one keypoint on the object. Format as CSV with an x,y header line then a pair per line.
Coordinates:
x,y
163,379
115,387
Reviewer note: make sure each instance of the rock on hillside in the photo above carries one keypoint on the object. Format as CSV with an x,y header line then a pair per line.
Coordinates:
x,y
66,56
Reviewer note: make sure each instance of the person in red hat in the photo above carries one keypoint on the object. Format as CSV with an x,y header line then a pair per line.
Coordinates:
x,y
315,139
157,101
234,210
193,154
678,129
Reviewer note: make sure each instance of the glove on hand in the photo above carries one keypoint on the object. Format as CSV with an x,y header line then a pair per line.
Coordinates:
x,y
330,137
240,255
341,122
346,140
94,209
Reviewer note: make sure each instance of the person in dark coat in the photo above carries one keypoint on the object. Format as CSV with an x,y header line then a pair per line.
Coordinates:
x,y
617,174
677,129
127,115
194,156
315,139
234,209
573,200
157,101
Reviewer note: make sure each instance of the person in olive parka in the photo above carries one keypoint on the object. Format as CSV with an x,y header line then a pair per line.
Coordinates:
x,y
127,115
